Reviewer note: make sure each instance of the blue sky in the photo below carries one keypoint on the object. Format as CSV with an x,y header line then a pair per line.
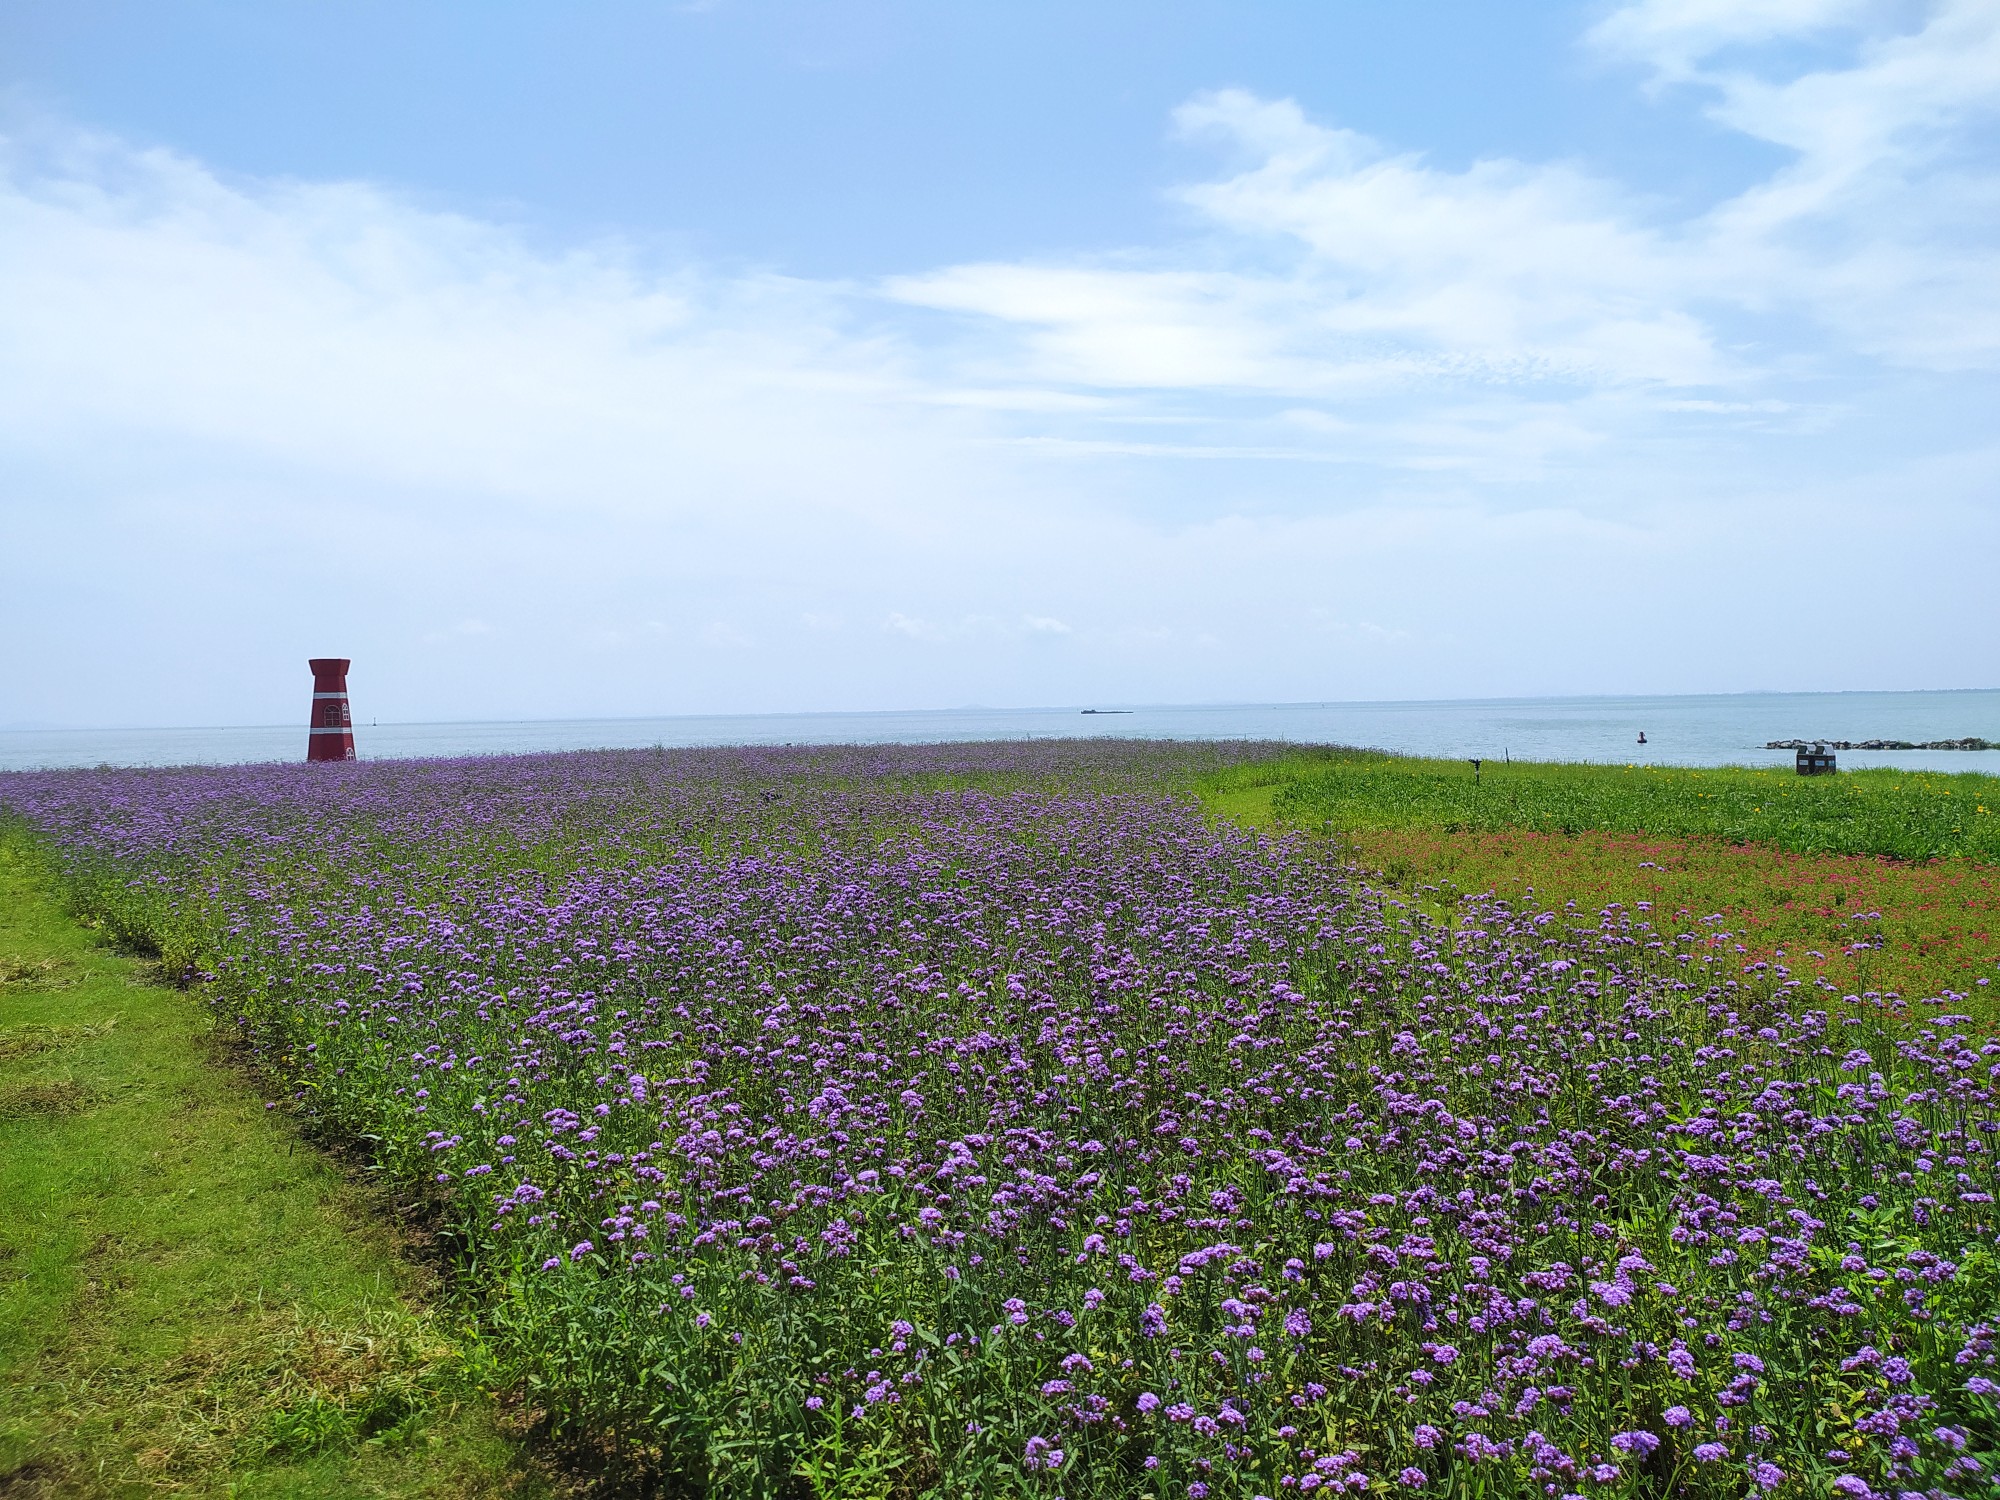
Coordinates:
x,y
641,358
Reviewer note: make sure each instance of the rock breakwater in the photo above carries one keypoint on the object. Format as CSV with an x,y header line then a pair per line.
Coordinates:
x,y
1968,743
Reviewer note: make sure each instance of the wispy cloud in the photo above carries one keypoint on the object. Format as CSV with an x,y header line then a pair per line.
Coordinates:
x,y
1677,36
1364,269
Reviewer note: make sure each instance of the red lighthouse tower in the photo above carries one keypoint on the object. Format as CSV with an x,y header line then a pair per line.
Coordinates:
x,y
332,734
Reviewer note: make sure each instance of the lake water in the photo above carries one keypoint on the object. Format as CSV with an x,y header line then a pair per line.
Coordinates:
x,y
1724,729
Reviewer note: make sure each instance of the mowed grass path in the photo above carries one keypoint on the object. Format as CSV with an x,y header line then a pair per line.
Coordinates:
x,y
192,1300
1879,880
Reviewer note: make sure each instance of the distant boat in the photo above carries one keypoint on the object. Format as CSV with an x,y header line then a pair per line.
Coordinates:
x,y
1107,710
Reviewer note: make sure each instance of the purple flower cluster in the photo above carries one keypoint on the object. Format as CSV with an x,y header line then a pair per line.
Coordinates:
x,y
987,1108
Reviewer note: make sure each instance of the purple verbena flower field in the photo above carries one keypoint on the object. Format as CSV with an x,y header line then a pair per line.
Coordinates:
x,y
980,1120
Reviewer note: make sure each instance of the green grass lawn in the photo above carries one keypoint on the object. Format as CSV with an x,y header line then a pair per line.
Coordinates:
x,y
192,1300
1906,815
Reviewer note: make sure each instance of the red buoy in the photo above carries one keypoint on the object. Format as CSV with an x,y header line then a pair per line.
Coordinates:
x,y
332,734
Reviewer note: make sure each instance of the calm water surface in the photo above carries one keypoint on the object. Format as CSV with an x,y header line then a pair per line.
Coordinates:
x,y
1724,729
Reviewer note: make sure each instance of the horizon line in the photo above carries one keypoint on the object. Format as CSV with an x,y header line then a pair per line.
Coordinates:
x,y
1045,708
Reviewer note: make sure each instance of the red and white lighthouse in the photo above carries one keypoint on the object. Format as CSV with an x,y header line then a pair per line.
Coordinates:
x,y
332,734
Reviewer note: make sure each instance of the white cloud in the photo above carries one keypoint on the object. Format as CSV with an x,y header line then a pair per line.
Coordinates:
x,y
1673,35
1363,270
1111,327
338,327
1397,274
1884,228
1722,408
1503,269
915,628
